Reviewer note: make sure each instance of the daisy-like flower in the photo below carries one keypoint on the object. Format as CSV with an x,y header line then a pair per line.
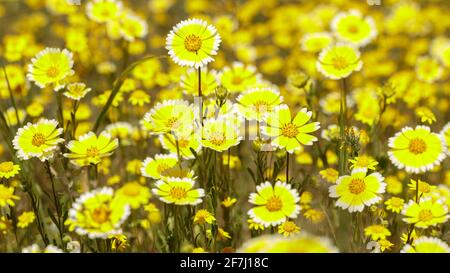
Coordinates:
x,y
34,248
139,97
39,140
445,133
155,167
50,67
330,175
416,150
132,27
8,169
221,134
425,214
425,189
339,61
377,232
363,161
426,245
178,191
76,91
203,216
315,216
358,190
256,103
354,28
97,214
91,149
290,133
133,194
239,77
192,43
121,130
189,82
7,196
184,145
315,42
288,228
25,219
170,116
274,204
395,204
102,11
428,69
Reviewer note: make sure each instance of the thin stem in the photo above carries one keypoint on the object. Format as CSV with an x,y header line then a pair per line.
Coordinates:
x,y
178,153
11,96
199,72
287,166
342,127
57,204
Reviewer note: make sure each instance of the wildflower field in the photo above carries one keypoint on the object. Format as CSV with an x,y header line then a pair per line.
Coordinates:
x,y
224,126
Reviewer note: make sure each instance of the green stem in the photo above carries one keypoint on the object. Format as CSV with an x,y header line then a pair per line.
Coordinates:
x,y
11,97
342,127
287,166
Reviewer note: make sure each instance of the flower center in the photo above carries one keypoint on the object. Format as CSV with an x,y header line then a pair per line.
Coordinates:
x,y
6,167
261,106
339,62
217,138
289,226
425,215
274,204
237,80
52,72
131,190
353,29
417,146
38,140
162,167
289,130
396,202
357,186
192,43
172,122
92,152
101,215
178,193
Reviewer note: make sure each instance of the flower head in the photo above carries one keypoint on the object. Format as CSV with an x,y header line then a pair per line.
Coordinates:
x,y
288,228
192,43
8,169
426,245
76,91
256,103
134,194
220,134
39,140
425,214
239,77
178,191
354,28
25,219
339,61
7,196
50,67
274,204
395,204
358,190
203,216
377,232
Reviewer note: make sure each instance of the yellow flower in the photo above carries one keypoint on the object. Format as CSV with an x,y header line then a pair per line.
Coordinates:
x,y
132,27
155,167
416,150
315,42
425,214
385,244
256,103
274,204
25,219
445,133
186,142
221,134
203,216
198,250
189,82
91,149
228,202
170,116
354,28
315,216
97,214
178,191
358,190
394,186
154,214
288,228
424,188
134,167
330,175
395,204
252,225
339,61
76,91
39,140
50,67
35,109
290,133
425,115
363,161
192,43
300,243
134,194
427,245
239,77
8,169
428,69
7,196
377,232
5,225
118,242
103,10
139,97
